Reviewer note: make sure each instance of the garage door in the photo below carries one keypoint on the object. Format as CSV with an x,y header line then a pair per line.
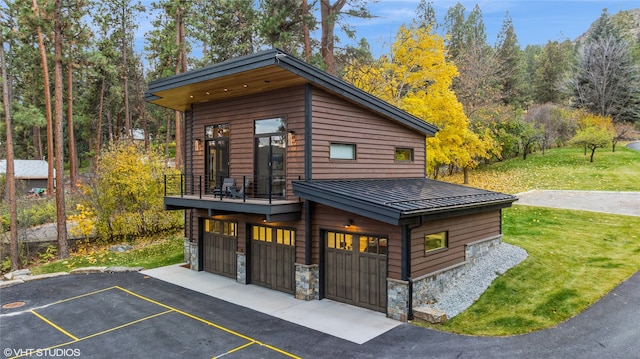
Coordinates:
x,y
355,270
219,242
273,258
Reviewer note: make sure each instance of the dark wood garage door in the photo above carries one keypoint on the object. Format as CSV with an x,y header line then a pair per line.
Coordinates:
x,y
220,242
356,270
273,258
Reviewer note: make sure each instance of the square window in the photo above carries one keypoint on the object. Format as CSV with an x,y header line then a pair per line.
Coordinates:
x,y
404,154
342,151
435,241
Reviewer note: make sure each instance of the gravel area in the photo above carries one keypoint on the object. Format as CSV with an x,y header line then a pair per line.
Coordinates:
x,y
467,288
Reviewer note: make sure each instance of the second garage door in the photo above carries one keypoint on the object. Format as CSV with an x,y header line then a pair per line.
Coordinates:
x,y
273,258
355,270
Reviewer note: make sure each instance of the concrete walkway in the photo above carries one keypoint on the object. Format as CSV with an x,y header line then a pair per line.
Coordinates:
x,y
340,320
625,203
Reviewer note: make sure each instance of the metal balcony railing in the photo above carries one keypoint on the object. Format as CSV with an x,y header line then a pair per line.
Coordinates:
x,y
245,187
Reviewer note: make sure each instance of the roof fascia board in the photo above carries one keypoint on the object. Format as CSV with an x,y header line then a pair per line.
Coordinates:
x,y
222,69
365,209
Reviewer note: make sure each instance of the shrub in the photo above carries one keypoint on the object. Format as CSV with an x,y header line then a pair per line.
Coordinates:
x,y
127,193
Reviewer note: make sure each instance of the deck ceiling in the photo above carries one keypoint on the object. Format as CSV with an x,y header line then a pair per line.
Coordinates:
x,y
240,84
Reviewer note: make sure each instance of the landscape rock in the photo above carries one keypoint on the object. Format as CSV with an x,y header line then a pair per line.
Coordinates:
x,y
17,273
120,248
430,315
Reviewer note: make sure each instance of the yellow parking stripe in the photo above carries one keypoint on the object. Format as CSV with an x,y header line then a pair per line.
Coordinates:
x,y
82,295
210,323
53,325
75,340
234,350
187,314
250,341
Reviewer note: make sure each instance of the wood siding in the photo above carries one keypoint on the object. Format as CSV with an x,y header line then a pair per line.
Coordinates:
x,y
240,113
338,121
461,231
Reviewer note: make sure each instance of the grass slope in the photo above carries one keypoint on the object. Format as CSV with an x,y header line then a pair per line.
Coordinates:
x,y
575,257
147,253
560,168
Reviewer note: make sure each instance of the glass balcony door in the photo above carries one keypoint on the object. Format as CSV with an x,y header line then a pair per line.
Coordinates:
x,y
217,155
270,158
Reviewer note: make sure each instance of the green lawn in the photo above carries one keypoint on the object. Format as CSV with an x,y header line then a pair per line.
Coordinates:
x,y
147,253
560,168
575,258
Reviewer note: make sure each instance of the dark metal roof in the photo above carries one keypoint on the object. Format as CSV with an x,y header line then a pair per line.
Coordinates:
x,y
260,69
396,200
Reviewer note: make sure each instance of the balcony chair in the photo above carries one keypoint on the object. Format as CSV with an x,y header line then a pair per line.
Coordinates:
x,y
238,192
225,188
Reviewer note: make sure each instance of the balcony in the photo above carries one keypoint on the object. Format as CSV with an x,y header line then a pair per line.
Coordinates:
x,y
266,196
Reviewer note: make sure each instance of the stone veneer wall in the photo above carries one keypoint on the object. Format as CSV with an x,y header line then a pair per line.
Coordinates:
x,y
425,287
397,299
191,254
307,282
241,268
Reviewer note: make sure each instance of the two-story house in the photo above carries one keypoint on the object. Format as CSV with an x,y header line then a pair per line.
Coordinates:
x,y
298,181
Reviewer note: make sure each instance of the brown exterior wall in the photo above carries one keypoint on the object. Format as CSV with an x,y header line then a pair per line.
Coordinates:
x,y
375,137
462,230
241,113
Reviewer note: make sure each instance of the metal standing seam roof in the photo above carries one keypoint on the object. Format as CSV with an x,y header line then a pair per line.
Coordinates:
x,y
391,200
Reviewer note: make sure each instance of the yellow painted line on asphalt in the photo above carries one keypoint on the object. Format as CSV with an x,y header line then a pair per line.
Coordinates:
x,y
251,340
75,340
54,325
234,350
83,295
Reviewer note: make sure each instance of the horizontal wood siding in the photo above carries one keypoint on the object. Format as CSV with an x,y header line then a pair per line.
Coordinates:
x,y
462,230
241,113
331,219
375,137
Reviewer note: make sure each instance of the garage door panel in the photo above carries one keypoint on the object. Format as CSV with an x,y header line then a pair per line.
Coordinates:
x,y
219,244
356,274
273,258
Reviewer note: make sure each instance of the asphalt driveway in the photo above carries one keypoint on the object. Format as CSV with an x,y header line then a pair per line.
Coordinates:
x,y
135,316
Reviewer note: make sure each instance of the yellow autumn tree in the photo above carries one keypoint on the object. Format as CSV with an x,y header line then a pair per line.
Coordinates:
x,y
416,77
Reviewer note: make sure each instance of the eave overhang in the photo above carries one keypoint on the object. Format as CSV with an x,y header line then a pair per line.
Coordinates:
x,y
261,72
401,201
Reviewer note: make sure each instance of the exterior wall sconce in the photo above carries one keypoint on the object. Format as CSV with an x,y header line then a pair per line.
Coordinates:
x,y
197,145
291,138
348,223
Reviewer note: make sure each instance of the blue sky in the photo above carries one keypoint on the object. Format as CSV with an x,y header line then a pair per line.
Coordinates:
x,y
535,21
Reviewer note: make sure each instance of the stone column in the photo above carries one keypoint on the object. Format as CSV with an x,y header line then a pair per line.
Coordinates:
x,y
193,251
307,281
241,268
398,299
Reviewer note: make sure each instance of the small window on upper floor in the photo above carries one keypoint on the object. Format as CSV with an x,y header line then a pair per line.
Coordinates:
x,y
404,154
342,151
